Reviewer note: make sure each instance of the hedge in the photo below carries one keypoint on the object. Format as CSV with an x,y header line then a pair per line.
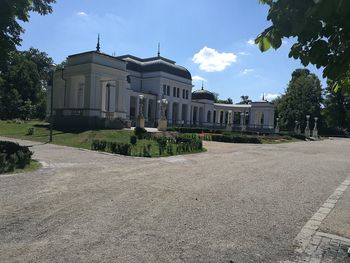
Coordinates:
x,y
113,147
13,156
234,139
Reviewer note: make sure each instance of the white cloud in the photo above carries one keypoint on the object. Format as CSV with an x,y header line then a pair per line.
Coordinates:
x,y
81,13
251,42
246,71
243,53
198,78
271,96
210,60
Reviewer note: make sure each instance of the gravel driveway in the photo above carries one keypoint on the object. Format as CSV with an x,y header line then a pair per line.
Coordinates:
x,y
234,203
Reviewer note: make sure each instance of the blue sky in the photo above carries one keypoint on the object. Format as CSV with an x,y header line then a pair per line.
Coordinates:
x,y
211,38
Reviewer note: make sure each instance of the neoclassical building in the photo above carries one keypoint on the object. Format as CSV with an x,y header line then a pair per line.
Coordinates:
x,y
98,90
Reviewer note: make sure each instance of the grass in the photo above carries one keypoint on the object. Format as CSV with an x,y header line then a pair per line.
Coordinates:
x,y
75,138
33,166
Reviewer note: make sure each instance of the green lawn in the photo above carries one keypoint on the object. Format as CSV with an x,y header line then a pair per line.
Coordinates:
x,y
80,139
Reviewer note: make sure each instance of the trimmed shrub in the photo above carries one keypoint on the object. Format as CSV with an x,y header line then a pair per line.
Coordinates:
x,y
140,133
235,139
30,131
133,140
13,155
112,147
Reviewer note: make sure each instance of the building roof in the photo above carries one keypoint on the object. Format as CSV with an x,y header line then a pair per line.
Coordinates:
x,y
155,64
203,94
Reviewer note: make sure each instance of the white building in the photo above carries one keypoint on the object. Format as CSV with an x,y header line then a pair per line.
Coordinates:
x,y
98,90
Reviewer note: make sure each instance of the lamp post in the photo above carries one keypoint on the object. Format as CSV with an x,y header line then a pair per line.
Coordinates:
x,y
53,69
315,131
307,129
140,122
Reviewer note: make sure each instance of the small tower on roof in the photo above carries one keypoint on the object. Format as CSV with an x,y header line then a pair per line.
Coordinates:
x,y
158,50
98,44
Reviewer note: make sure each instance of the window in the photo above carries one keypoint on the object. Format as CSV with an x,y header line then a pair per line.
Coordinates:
x,y
164,89
186,94
174,91
183,93
178,93
168,90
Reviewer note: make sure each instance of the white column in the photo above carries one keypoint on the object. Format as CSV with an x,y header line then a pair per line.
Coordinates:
x,y
137,106
180,112
146,104
170,112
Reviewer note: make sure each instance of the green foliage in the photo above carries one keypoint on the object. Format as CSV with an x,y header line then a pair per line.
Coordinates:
x,y
303,97
12,13
336,110
321,29
30,131
231,138
140,133
245,100
22,85
13,156
133,140
112,147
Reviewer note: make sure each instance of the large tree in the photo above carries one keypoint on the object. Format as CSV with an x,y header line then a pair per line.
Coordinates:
x,y
11,13
336,110
245,100
322,32
303,97
22,85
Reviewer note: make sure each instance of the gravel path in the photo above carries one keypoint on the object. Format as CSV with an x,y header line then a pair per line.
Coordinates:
x,y
234,203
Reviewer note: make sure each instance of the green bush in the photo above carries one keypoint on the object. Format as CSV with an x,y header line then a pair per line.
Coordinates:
x,y
112,147
140,133
13,155
235,139
30,131
133,140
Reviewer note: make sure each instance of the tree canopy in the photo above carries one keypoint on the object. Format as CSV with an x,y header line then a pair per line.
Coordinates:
x,y
303,97
245,100
336,110
11,12
22,85
322,32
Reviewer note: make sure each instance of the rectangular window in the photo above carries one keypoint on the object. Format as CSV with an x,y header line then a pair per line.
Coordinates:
x,y
168,90
164,89
186,94
174,91
178,93
183,93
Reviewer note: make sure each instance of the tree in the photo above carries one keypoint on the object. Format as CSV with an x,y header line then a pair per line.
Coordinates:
x,y
322,32
245,100
303,97
11,12
336,108
22,85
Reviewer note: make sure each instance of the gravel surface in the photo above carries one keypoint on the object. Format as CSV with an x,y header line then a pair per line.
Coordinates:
x,y
338,221
234,203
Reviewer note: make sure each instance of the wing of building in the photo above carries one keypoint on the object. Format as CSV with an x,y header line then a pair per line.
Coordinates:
x,y
97,90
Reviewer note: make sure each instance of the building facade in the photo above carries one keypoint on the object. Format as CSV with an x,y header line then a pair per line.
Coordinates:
x,y
98,90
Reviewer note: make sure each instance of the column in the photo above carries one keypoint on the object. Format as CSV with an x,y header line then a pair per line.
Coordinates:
x,y
188,113
180,113
170,112
146,108
137,108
